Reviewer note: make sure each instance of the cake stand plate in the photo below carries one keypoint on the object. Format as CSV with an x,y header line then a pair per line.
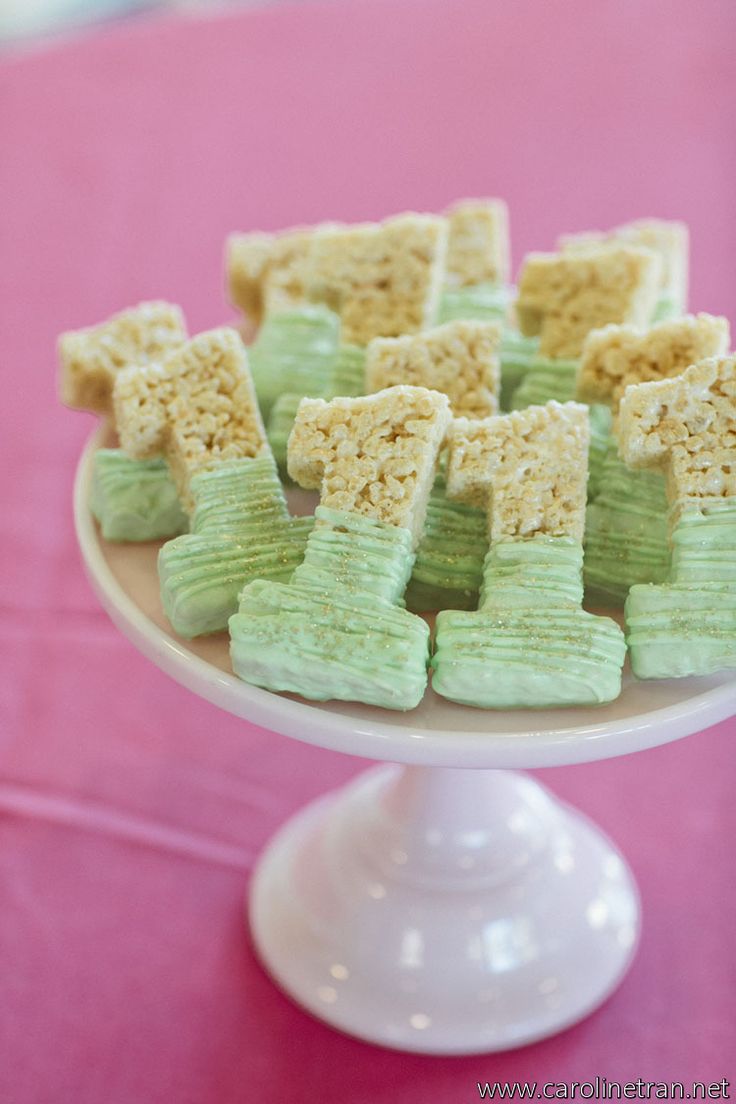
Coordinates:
x,y
444,905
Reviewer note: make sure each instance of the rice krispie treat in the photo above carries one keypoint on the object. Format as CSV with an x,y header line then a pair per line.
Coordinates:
x,y
375,455
91,358
266,273
337,629
626,526
461,360
479,250
383,279
530,644
198,406
687,426
133,500
477,282
616,356
362,280
563,296
668,239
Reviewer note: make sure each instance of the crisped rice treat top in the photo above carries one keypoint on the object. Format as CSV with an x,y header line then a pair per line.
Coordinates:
x,y
375,455
198,407
460,359
563,296
267,273
383,279
686,425
478,248
529,469
91,358
617,356
668,239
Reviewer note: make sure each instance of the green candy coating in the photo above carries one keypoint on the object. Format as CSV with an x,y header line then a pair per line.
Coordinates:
x,y
546,379
482,302
625,531
448,569
529,645
293,352
688,625
337,629
134,500
241,530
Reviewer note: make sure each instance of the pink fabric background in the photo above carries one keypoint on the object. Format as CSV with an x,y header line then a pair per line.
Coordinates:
x,y
130,811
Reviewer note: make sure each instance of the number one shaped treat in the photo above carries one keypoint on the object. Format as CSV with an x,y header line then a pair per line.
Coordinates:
x,y
198,406
383,279
563,296
478,261
337,629
366,280
668,239
626,523
530,644
133,500
460,359
687,426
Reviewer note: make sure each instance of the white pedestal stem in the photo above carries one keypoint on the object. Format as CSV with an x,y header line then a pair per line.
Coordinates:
x,y
444,911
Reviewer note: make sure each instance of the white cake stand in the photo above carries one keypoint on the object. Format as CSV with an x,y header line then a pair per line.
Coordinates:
x,y
446,905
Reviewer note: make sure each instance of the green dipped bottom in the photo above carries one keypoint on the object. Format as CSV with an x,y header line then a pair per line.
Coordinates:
x,y
479,302
134,500
546,379
241,530
688,625
517,354
293,352
337,630
600,437
625,531
280,423
448,569
529,645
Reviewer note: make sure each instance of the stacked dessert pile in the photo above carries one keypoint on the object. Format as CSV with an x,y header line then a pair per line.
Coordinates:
x,y
478,451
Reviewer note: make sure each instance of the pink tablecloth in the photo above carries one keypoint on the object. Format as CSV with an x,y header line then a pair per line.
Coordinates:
x,y
131,812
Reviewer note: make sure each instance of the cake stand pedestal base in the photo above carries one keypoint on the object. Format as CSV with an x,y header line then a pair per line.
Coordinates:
x,y
444,911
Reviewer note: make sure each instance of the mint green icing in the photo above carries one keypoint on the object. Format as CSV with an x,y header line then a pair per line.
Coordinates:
x,y
134,500
241,530
449,563
517,354
293,352
347,374
625,530
600,436
687,626
337,629
546,379
280,423
482,302
529,645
